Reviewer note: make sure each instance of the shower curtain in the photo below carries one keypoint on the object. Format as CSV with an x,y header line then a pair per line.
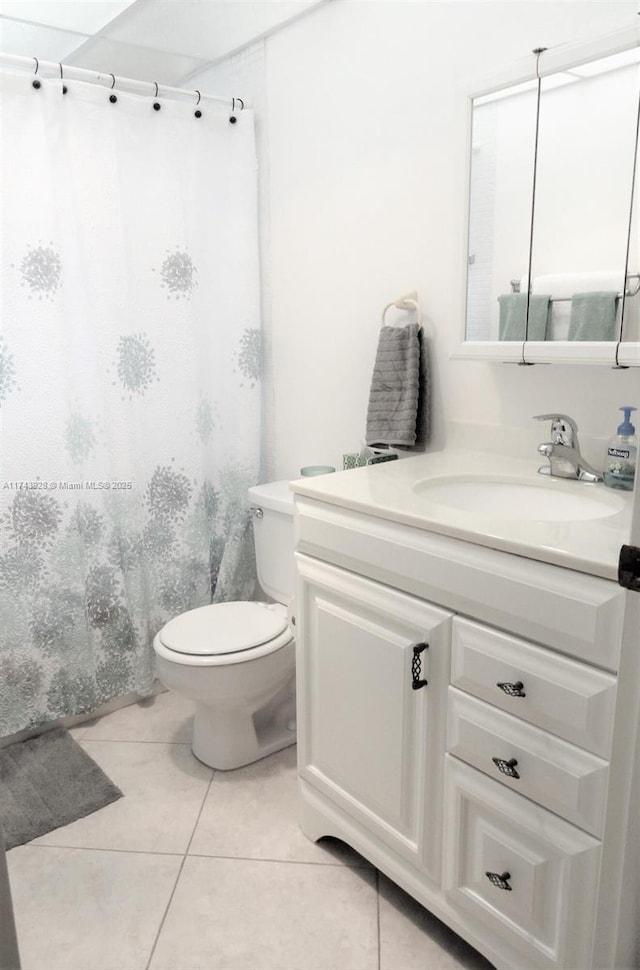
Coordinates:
x,y
129,383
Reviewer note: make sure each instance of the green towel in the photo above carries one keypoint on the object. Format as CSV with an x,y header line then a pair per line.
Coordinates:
x,y
593,315
513,316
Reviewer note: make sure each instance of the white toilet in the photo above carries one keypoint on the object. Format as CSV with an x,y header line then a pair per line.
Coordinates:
x,y
237,660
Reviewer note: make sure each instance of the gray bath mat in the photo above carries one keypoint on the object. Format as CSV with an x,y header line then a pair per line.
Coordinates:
x,y
46,782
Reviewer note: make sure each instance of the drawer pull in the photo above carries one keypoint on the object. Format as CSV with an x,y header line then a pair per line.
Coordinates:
x,y
500,881
513,690
506,767
416,667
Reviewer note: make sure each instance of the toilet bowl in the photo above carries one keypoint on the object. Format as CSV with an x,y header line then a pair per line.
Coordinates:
x,y
237,660
234,660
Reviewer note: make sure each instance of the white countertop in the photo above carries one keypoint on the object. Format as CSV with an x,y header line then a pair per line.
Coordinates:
x,y
395,491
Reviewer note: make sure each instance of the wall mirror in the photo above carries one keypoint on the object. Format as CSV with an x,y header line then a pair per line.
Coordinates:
x,y
552,254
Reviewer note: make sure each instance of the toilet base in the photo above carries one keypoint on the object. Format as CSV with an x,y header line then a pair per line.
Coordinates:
x,y
231,739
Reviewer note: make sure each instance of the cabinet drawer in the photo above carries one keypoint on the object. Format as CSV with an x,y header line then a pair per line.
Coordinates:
x,y
561,695
558,775
543,907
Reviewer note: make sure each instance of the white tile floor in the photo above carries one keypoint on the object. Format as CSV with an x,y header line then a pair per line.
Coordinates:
x,y
201,870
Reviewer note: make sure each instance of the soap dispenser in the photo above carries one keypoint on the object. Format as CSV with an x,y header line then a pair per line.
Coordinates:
x,y
622,452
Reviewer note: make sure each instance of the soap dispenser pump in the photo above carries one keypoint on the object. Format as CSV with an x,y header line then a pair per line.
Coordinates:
x,y
622,454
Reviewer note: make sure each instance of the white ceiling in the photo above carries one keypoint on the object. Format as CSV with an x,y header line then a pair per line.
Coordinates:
x,y
163,40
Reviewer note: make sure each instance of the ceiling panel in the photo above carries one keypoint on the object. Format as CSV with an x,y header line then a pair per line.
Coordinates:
x,y
167,40
86,17
129,60
206,29
32,40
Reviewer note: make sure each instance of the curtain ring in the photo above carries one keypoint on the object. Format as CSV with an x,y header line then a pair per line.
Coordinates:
x,y
197,112
156,84
233,119
36,84
64,86
113,97
113,83
199,96
37,65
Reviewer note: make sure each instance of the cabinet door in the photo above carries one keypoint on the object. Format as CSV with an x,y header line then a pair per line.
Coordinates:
x,y
367,738
518,873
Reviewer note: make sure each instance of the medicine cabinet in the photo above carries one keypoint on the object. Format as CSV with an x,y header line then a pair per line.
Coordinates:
x,y
552,254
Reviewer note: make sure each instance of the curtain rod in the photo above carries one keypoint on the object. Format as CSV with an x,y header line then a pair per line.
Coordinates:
x,y
70,73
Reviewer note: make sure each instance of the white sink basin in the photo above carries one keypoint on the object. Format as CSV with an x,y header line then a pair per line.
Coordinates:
x,y
512,498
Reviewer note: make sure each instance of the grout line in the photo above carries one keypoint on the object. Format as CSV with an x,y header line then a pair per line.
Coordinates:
x,y
206,795
175,885
378,915
283,862
166,911
94,848
365,866
132,741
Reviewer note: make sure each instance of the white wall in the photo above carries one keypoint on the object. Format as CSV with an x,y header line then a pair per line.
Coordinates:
x,y
362,174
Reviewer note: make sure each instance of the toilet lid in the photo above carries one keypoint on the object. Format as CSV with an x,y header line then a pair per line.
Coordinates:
x,y
223,628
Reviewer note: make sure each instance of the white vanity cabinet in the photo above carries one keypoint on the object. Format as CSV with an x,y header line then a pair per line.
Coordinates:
x,y
486,793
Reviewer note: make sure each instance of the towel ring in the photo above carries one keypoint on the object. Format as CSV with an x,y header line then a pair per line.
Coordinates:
x,y
407,302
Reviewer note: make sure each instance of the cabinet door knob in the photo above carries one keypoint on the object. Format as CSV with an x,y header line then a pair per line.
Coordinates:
x,y
513,690
500,880
506,767
416,667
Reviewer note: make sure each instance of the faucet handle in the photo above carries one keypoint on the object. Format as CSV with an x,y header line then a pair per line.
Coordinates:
x,y
563,428
557,417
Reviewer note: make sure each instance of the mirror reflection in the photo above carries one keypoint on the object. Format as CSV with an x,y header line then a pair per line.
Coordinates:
x,y
501,185
548,231
631,305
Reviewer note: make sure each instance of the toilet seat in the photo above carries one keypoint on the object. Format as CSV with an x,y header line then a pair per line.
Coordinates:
x,y
224,633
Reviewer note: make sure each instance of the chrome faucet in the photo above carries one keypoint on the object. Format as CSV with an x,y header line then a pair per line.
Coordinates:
x,y
563,451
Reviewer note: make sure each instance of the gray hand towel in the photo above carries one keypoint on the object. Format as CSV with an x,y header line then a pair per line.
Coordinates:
x,y
593,315
395,387
513,316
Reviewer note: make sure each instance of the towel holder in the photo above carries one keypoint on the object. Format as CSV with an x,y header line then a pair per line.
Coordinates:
x,y
629,290
407,302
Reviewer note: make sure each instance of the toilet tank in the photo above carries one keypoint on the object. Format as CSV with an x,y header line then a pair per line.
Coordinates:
x,y
272,506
